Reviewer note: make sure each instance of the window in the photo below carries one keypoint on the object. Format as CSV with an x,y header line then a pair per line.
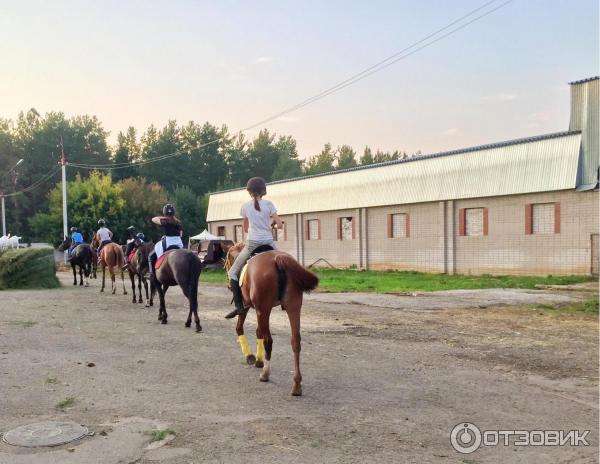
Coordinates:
x,y
473,221
221,231
280,235
398,225
312,229
238,233
345,228
542,218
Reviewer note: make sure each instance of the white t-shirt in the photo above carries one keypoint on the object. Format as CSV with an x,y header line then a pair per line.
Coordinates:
x,y
259,229
103,234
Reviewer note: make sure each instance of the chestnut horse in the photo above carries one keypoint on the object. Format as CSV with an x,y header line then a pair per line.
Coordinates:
x,y
135,270
272,278
111,257
180,267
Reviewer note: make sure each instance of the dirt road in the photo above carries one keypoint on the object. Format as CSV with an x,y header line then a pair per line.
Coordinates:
x,y
385,378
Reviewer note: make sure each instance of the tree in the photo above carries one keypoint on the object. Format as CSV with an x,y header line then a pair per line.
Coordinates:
x,y
263,155
367,157
127,151
188,210
89,200
346,157
323,162
288,165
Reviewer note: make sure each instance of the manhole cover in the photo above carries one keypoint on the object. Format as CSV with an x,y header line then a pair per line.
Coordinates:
x,y
50,433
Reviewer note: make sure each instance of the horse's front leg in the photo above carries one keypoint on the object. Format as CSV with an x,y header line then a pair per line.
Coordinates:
x,y
132,278
145,289
123,282
81,274
74,274
162,310
243,341
113,281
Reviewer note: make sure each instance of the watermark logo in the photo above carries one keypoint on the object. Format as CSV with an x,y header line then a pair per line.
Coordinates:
x,y
467,437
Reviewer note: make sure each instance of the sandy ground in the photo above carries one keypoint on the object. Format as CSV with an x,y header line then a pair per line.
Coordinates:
x,y
386,378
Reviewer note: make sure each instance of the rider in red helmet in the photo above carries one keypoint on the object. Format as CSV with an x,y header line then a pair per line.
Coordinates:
x,y
258,215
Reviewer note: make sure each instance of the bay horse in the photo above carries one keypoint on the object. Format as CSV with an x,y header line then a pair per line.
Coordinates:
x,y
134,271
82,256
272,278
179,267
111,257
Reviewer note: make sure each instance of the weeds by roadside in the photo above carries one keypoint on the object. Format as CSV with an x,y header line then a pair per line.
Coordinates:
x,y
66,403
159,435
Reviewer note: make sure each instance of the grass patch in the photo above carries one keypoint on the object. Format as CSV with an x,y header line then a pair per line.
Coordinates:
x,y
159,435
589,306
66,403
28,268
51,381
348,280
24,324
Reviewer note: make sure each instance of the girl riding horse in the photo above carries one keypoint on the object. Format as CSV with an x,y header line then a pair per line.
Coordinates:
x,y
258,214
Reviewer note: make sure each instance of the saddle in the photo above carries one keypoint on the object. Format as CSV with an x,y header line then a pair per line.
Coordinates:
x,y
257,251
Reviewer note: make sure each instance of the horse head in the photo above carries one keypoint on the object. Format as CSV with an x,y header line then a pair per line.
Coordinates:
x,y
66,243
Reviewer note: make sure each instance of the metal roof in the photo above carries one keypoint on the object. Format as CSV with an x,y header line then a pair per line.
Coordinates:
x,y
583,81
534,164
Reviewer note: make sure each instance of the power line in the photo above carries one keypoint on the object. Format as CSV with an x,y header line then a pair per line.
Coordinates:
x,y
381,65
34,185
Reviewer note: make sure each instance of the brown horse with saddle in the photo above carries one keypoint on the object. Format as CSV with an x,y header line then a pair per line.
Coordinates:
x,y
270,279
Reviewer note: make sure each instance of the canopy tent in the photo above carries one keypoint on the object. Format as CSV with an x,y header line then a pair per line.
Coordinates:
x,y
205,235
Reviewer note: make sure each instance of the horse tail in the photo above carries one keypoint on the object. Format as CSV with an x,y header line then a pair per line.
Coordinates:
x,y
292,270
194,276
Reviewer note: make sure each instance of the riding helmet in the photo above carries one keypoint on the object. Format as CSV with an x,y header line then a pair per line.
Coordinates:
x,y
168,210
73,229
131,229
140,236
101,222
257,186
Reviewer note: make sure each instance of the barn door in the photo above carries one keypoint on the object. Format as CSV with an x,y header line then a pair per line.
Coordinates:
x,y
595,255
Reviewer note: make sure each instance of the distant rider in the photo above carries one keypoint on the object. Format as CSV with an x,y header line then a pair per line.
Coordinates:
x,y
103,235
173,231
134,240
76,240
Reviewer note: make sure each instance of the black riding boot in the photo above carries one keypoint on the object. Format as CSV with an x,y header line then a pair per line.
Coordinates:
x,y
238,300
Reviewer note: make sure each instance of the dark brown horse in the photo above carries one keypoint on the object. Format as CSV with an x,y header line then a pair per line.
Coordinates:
x,y
272,278
83,256
111,257
134,271
180,267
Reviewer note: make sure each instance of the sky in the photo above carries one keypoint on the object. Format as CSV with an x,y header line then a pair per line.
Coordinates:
x,y
238,62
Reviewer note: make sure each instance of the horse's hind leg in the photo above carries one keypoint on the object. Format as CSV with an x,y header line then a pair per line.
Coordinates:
x,y
103,278
74,274
265,333
148,301
132,278
239,328
162,310
293,312
139,288
81,275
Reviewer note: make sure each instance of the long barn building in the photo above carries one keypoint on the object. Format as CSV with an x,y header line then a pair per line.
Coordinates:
x,y
527,206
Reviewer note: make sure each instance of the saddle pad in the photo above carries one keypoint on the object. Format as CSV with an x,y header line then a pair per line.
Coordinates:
x,y
161,260
243,275
131,255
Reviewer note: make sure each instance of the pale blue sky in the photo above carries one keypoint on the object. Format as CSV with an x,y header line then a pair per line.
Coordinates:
x,y
237,62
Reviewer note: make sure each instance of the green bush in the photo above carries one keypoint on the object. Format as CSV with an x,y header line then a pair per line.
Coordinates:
x,y
28,268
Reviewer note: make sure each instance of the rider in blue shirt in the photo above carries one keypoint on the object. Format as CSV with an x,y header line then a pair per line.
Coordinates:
x,y
76,240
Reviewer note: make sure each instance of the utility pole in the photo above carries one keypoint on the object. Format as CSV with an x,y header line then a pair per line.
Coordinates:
x,y
3,215
63,164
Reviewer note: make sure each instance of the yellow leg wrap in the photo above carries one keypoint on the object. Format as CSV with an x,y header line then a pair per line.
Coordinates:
x,y
260,349
243,341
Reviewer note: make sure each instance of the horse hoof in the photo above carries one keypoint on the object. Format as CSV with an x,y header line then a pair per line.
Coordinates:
x,y
250,359
188,324
199,329
160,317
151,304
297,390
87,285
164,321
74,283
264,378
101,290
259,364
147,305
125,293
140,301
